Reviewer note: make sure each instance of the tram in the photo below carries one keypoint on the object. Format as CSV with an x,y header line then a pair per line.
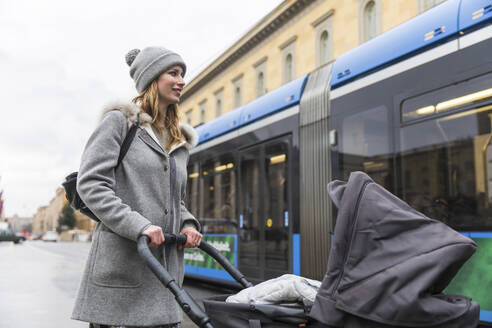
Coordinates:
x,y
412,108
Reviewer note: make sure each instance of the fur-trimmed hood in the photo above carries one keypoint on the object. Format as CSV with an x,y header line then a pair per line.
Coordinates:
x,y
131,110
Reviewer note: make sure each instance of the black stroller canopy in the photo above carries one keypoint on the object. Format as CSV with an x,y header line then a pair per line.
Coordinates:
x,y
387,268
389,264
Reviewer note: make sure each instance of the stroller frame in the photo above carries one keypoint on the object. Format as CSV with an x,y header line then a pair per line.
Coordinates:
x,y
184,299
285,316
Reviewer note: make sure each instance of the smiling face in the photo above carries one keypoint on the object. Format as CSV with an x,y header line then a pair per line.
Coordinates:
x,y
170,84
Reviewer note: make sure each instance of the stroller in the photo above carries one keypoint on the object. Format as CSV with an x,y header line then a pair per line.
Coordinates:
x,y
387,268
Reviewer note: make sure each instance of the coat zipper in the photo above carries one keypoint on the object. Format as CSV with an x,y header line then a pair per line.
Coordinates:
x,y
354,220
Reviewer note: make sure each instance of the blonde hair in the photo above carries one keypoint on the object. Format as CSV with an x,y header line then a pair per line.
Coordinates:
x,y
149,103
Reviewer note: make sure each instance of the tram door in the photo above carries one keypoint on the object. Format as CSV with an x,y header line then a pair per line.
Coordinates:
x,y
264,209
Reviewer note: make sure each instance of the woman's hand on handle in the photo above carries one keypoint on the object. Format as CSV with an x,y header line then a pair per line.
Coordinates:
x,y
155,234
193,237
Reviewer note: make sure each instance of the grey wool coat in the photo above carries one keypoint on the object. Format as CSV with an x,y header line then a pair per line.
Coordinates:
x,y
117,288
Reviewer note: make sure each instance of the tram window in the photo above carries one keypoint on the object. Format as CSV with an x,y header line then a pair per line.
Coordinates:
x,y
192,188
365,145
251,213
454,97
219,196
276,207
447,167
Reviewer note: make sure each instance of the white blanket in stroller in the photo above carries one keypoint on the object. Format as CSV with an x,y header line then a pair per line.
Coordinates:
x,y
288,288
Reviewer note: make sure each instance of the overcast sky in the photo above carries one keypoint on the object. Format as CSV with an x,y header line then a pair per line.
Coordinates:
x,y
61,61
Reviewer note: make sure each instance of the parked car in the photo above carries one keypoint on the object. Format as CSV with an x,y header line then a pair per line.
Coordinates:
x,y
21,236
50,236
9,235
34,237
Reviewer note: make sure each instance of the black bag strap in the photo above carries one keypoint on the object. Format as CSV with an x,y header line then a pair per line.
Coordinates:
x,y
128,140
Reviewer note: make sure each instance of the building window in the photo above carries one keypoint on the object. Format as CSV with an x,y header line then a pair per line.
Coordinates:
x,y
237,97
260,67
369,19
189,115
428,4
289,74
260,85
218,102
324,52
288,59
323,30
237,83
218,108
203,111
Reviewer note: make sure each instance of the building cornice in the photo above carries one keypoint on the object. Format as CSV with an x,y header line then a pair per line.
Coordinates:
x,y
219,90
267,26
287,43
237,77
323,18
259,62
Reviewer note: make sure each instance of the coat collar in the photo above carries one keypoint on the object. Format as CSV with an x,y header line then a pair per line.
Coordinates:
x,y
148,136
187,131
131,110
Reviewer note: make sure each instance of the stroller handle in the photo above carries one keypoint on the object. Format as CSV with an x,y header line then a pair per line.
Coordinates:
x,y
184,299
212,251
224,262
170,238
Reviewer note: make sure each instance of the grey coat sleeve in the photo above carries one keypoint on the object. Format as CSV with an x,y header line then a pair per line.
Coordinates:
x,y
96,178
187,219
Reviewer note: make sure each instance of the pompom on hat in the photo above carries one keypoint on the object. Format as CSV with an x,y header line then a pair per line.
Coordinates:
x,y
147,64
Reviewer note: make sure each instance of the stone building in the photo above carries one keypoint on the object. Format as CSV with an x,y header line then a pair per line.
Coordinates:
x,y
18,224
39,221
46,218
295,38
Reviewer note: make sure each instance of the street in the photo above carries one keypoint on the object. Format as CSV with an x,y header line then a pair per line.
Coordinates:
x,y
39,281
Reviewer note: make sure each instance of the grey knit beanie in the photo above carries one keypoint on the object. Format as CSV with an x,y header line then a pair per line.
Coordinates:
x,y
148,64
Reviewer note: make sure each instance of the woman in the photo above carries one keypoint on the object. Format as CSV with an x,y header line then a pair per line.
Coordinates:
x,y
143,195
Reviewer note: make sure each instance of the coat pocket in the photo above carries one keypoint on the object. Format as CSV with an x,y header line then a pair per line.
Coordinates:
x,y
116,263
